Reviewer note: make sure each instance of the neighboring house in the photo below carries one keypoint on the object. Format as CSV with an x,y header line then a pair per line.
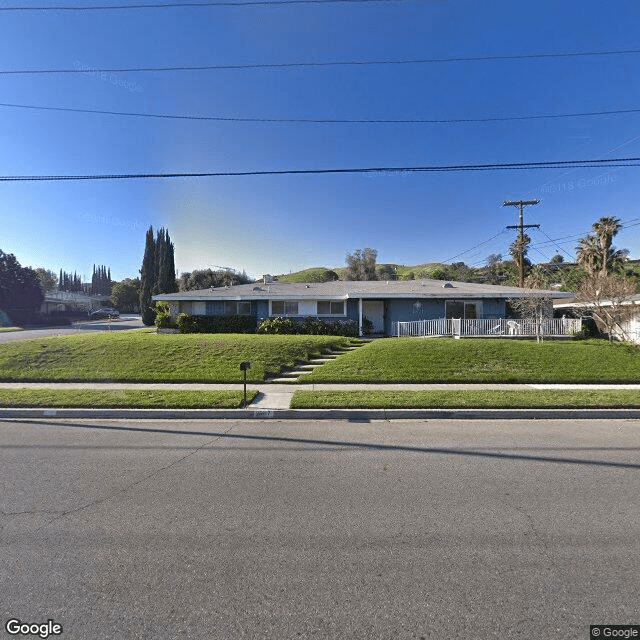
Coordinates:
x,y
71,301
629,330
383,303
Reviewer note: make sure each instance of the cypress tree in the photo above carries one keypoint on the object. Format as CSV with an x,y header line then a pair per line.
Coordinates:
x,y
161,262
171,283
147,276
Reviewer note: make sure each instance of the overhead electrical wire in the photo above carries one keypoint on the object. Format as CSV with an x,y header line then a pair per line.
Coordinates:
x,y
321,63
551,164
576,236
191,5
474,247
168,116
563,240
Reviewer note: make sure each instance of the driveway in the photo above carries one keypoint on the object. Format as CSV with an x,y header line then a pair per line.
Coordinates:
x,y
126,322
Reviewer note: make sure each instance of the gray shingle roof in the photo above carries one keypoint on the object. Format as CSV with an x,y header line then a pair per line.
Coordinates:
x,y
344,289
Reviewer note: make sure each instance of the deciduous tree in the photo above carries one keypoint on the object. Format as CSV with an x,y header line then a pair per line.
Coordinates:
x,y
609,299
361,264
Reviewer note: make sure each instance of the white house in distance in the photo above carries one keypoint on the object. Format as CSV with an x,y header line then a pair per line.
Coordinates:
x,y
383,303
629,328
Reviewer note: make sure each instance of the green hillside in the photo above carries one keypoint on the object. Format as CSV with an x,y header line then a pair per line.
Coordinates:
x,y
385,271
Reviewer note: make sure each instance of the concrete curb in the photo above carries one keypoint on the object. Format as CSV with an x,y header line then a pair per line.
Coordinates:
x,y
324,414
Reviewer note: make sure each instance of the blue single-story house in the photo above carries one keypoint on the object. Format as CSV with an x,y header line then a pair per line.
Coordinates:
x,y
382,303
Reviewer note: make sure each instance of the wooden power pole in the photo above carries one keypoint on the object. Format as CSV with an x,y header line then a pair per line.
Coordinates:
x,y
521,226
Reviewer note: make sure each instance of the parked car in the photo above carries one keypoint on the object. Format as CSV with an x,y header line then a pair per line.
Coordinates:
x,y
104,312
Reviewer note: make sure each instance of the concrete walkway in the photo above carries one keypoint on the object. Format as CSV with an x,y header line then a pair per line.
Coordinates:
x,y
279,396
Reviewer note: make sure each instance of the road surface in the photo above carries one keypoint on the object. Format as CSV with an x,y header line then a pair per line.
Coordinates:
x,y
124,323
267,529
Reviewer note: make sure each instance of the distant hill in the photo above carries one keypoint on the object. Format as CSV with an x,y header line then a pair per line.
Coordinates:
x,y
315,274
385,272
563,275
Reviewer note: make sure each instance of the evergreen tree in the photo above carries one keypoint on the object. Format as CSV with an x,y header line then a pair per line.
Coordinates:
x,y
20,292
147,275
171,282
165,281
161,262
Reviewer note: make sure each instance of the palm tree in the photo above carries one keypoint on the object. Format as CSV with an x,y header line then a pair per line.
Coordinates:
x,y
605,229
588,254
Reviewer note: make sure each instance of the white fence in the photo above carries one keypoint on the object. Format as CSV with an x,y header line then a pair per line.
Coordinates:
x,y
496,327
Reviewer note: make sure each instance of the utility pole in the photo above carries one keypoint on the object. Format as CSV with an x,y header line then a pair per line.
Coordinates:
x,y
521,226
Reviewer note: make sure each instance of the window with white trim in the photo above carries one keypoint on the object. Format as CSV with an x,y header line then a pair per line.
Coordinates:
x,y
234,308
284,307
330,308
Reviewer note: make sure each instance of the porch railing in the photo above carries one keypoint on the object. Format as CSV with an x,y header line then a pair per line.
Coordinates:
x,y
486,327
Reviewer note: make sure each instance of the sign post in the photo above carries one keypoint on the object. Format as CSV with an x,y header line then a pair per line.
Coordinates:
x,y
244,366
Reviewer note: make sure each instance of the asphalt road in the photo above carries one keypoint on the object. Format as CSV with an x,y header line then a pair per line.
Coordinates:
x,y
126,322
265,529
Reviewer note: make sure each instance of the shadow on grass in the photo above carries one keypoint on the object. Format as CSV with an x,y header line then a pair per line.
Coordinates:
x,y
352,445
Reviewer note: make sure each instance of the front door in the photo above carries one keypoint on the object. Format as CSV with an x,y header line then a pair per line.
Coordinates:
x,y
373,310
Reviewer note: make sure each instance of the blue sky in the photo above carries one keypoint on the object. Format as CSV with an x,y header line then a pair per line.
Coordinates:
x,y
275,224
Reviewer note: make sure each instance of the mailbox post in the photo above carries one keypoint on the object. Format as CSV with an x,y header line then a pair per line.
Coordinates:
x,y
244,366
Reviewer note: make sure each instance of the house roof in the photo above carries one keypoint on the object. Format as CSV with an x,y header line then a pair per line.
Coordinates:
x,y
572,303
345,289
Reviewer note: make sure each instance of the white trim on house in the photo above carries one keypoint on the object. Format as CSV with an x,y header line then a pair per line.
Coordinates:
x,y
332,306
306,308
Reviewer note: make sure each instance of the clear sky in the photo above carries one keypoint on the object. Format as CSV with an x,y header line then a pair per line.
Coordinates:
x,y
282,223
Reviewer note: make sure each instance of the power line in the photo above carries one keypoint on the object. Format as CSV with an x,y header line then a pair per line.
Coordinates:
x,y
475,247
191,5
552,164
321,63
168,116
560,164
570,239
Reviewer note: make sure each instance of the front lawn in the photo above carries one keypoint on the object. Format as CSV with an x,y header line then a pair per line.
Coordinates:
x,y
148,357
446,360
520,399
127,398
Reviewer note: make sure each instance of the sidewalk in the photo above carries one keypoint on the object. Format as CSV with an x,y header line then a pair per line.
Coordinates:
x,y
273,401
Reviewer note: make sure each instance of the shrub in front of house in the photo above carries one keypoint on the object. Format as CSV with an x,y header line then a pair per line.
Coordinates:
x,y
348,328
216,324
278,325
163,316
309,326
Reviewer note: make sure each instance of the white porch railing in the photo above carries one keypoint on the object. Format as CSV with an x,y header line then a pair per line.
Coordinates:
x,y
487,327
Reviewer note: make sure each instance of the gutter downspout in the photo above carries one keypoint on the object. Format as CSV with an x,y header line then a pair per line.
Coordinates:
x,y
360,317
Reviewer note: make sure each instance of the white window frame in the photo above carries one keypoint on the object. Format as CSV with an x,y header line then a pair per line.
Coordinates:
x,y
237,303
343,312
284,307
463,302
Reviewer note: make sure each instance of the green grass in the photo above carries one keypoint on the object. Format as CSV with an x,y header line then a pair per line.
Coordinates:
x,y
9,329
521,399
85,398
150,357
448,361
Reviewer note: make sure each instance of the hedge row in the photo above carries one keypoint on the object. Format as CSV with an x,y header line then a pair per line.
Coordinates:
x,y
216,324
248,324
309,326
